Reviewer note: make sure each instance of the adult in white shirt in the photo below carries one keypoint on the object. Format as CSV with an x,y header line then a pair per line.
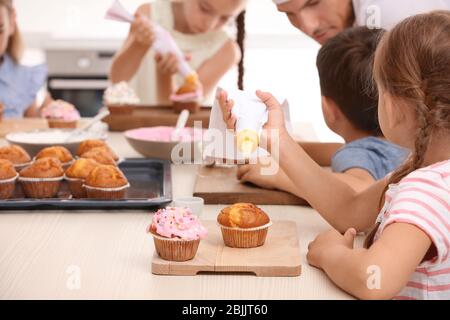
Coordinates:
x,y
324,19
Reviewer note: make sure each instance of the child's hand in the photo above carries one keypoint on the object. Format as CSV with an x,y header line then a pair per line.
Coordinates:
x,y
325,243
226,105
167,64
254,174
276,119
142,31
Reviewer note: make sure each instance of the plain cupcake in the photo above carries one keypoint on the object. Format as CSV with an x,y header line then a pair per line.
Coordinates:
x,y
61,114
60,153
76,176
42,179
8,177
88,145
106,183
244,225
17,155
177,233
100,155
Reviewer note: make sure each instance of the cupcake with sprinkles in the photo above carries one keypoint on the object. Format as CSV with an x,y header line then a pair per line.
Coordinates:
x,y
177,233
61,115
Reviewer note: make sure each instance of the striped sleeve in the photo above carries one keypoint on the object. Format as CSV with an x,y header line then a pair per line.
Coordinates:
x,y
423,200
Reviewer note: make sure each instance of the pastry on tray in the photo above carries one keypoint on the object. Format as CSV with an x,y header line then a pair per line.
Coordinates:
x,y
17,155
120,98
76,176
176,233
188,96
60,153
106,183
88,145
100,155
244,225
8,177
42,179
61,114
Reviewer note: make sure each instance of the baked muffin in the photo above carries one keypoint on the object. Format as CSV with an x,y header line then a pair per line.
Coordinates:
x,y
61,114
100,155
244,225
88,145
176,233
42,179
107,183
76,176
8,177
60,153
17,155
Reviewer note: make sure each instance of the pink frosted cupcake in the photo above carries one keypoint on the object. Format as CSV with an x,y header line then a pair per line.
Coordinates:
x,y
61,114
177,234
120,98
188,96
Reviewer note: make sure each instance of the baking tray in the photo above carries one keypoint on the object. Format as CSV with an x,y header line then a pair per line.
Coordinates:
x,y
151,187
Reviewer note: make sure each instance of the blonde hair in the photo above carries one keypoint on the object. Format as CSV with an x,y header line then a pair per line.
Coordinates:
x,y
412,64
15,46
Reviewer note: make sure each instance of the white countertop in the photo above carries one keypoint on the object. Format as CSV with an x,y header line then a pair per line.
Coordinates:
x,y
42,254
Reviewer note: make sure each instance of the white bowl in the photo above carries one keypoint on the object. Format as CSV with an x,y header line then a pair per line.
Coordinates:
x,y
35,141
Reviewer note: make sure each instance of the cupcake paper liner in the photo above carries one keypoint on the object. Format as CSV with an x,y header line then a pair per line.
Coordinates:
x,y
61,124
40,188
106,193
176,250
121,109
7,187
76,187
245,238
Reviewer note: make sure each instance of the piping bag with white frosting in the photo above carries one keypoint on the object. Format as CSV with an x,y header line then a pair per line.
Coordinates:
x,y
243,144
163,44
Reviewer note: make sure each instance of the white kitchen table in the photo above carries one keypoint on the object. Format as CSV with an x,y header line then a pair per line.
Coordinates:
x,y
107,255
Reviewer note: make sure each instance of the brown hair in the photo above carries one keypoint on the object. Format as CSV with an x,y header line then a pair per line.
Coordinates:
x,y
15,42
345,66
412,64
240,22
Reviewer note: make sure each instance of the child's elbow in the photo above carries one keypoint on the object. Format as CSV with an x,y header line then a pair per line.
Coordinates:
x,y
369,290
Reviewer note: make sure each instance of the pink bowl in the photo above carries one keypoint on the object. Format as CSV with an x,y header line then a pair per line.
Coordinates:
x,y
156,142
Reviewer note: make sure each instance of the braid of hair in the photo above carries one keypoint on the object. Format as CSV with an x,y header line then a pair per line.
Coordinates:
x,y
240,40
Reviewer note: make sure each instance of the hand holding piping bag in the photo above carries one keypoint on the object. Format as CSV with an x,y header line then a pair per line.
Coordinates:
x,y
163,43
251,116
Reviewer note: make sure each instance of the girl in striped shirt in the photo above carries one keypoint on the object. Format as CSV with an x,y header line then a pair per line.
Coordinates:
x,y
407,255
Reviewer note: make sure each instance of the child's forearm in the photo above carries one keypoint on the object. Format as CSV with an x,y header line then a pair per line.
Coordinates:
x,y
338,203
127,62
349,269
321,153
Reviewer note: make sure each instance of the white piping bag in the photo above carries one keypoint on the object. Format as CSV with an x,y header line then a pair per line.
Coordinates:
x,y
164,43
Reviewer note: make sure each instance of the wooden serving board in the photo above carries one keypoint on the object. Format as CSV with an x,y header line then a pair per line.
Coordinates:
x,y
147,116
220,186
279,257
26,124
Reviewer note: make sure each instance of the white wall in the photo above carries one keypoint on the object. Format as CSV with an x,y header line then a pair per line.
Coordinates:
x,y
278,58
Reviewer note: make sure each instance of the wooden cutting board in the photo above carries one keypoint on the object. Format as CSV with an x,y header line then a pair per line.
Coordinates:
x,y
279,257
26,124
154,116
220,186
